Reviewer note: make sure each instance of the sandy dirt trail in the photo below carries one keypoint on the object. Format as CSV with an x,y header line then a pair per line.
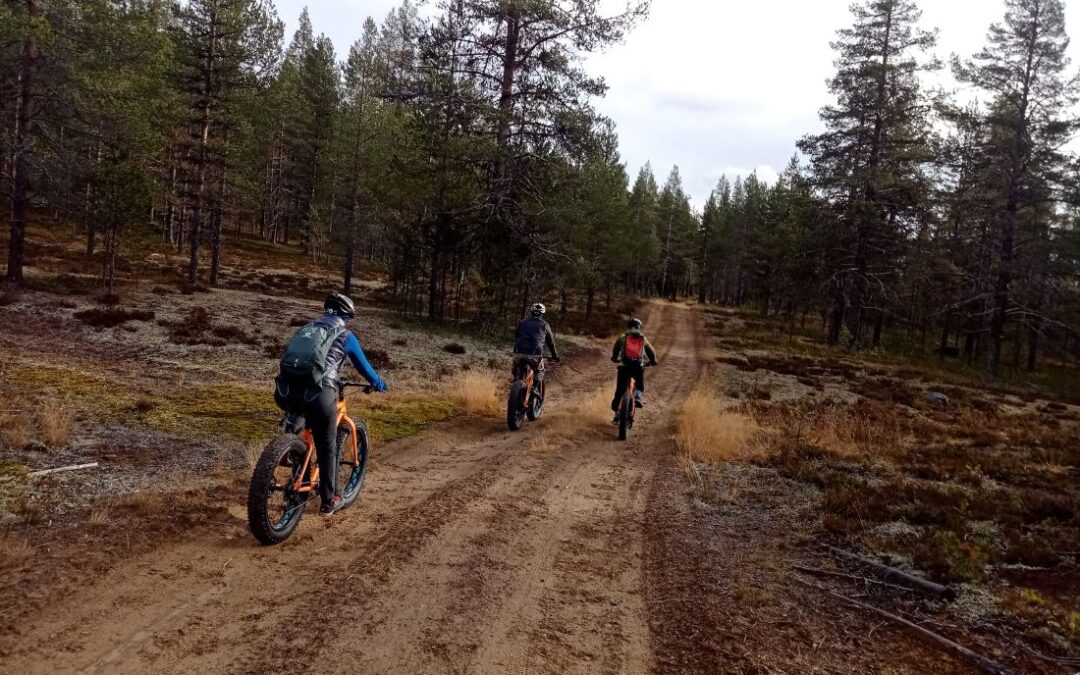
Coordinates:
x,y
471,550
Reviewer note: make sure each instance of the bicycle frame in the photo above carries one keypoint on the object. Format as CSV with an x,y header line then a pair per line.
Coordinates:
x,y
354,451
528,378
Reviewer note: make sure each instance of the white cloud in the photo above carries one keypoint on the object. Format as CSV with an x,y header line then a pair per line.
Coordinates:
x,y
715,85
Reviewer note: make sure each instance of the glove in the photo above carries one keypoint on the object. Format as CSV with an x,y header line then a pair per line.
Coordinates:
x,y
614,359
380,386
655,363
555,359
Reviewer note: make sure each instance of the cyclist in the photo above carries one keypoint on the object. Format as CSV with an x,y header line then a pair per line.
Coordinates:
x,y
309,384
629,351
530,338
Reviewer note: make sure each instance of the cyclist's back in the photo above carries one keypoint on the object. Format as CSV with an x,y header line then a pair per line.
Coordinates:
x,y
630,352
312,388
533,334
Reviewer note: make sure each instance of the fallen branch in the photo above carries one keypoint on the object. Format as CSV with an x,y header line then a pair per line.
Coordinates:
x,y
983,663
73,467
920,583
840,575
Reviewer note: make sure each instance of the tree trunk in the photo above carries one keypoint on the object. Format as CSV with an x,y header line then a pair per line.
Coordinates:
x,y
20,180
879,322
218,218
506,104
195,232
869,212
836,315
1002,295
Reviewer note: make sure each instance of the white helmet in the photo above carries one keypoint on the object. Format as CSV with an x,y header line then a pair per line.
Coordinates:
x,y
538,309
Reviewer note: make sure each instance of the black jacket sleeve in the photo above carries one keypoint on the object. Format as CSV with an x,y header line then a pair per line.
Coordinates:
x,y
549,338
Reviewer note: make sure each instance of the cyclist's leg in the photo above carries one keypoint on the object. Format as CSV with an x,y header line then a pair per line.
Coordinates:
x,y
322,418
621,379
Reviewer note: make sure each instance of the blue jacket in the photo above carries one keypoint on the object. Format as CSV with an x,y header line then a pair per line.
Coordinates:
x,y
346,345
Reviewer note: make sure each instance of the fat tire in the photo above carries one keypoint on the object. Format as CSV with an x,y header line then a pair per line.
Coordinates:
x,y
259,491
625,416
515,416
348,497
537,408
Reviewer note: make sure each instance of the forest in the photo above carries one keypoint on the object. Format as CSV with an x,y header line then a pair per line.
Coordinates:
x,y
457,148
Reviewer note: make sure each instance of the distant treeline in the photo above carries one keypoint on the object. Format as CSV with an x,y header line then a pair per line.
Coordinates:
x,y
461,152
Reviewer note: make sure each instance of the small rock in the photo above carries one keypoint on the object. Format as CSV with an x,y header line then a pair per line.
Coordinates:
x,y
937,398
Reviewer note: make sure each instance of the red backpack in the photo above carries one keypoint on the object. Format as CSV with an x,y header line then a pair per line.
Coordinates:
x,y
634,348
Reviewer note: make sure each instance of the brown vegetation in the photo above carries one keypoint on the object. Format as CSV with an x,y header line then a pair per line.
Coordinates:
x,y
56,424
478,393
959,491
707,433
110,317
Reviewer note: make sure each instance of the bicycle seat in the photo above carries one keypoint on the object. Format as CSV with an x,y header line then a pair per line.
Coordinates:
x,y
293,423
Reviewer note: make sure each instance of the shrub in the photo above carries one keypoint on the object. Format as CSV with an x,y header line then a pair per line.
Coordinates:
x,y
454,348
274,348
8,296
191,329
948,557
379,359
231,333
110,317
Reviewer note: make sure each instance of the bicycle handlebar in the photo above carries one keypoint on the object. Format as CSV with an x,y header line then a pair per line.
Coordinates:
x,y
366,388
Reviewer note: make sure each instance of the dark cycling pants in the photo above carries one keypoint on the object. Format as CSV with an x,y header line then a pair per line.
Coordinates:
x,y
319,408
627,370
537,363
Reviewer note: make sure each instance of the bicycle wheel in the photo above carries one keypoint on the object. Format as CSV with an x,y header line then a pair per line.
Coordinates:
x,y
274,509
537,406
515,406
351,470
626,416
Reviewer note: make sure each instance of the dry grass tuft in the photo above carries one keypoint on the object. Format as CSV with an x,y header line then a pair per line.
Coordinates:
x,y
100,516
250,452
14,432
595,408
479,393
707,433
15,552
56,426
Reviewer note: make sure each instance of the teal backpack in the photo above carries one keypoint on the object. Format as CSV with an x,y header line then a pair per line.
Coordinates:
x,y
305,355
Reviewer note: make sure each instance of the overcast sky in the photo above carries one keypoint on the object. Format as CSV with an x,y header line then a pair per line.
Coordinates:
x,y
715,86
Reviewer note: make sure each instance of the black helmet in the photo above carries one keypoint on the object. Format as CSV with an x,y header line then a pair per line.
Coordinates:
x,y
538,309
341,305
634,324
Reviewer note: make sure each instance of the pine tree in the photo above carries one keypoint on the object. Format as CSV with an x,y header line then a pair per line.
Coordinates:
x,y
1023,68
876,138
223,47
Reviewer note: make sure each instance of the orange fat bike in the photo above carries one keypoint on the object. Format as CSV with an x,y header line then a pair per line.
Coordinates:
x,y
286,477
627,408
526,397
